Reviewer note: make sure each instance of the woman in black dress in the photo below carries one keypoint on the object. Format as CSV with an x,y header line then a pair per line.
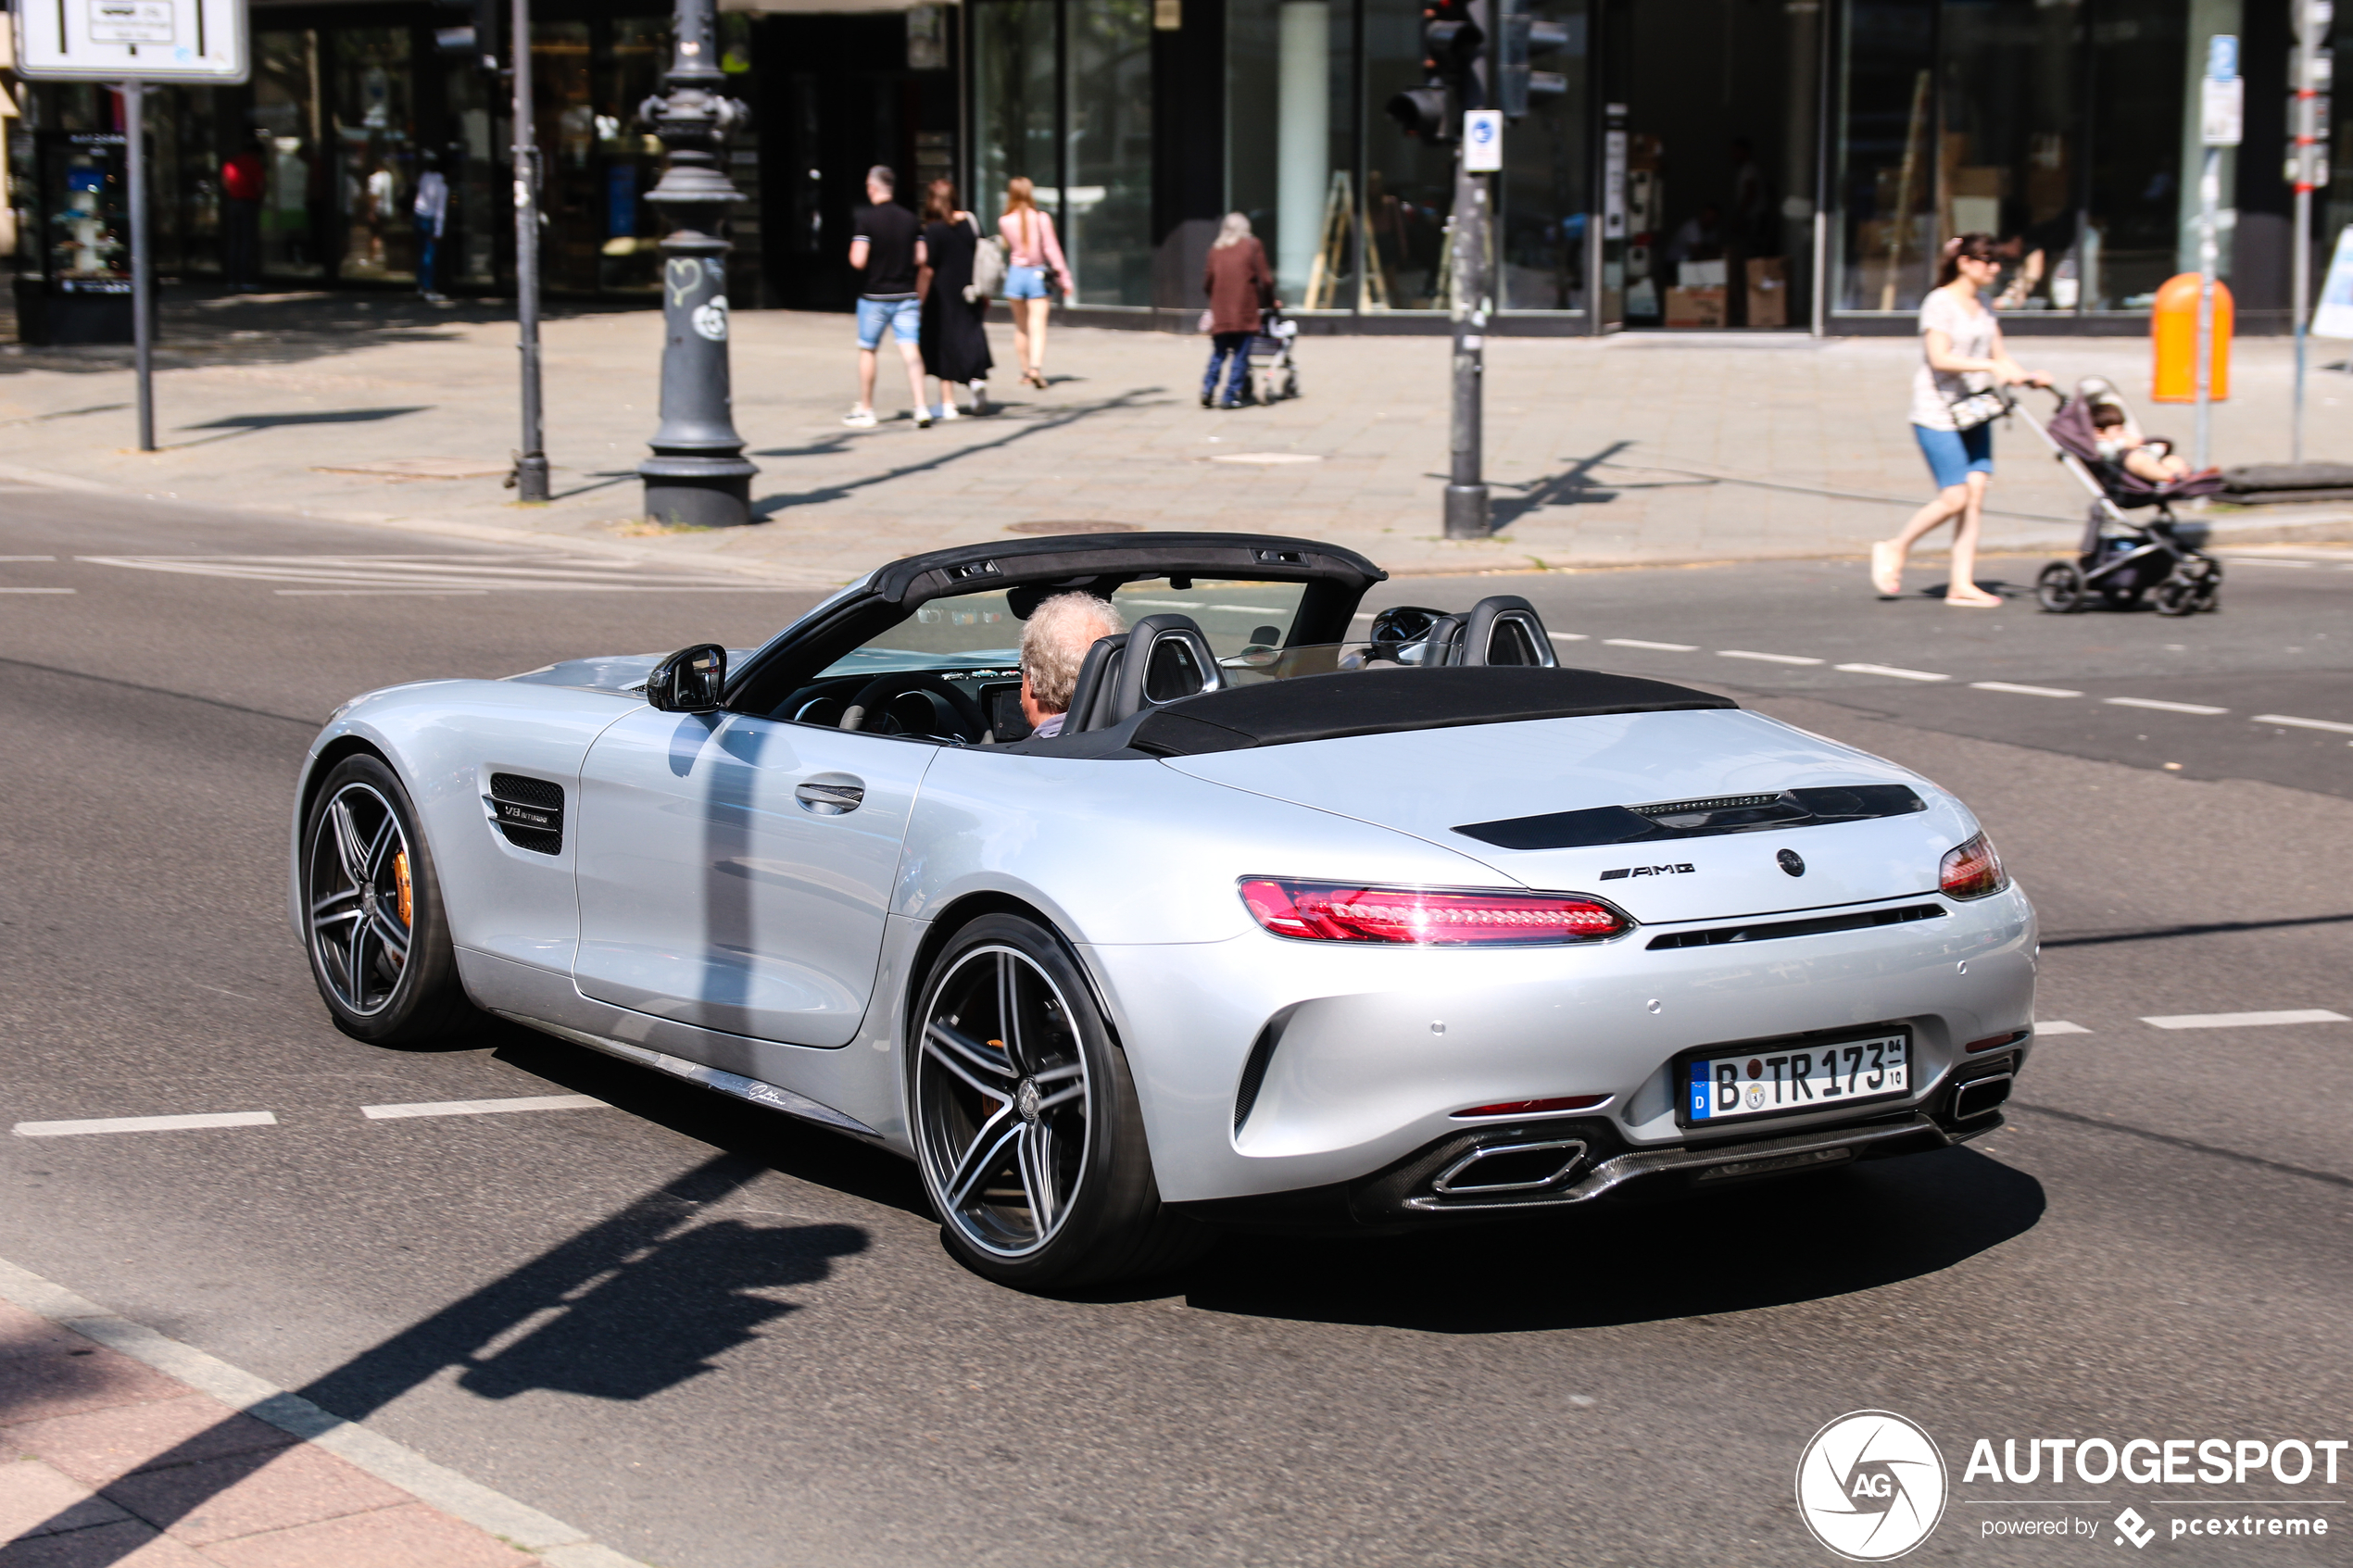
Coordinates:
x,y
955,343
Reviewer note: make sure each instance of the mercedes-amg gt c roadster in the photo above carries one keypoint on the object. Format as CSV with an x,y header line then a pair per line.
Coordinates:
x,y
1306,919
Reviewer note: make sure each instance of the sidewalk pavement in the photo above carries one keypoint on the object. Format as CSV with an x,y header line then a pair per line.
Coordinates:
x,y
106,1460
1636,449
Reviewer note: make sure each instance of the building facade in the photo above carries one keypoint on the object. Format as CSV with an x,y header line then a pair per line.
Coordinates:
x,y
1766,164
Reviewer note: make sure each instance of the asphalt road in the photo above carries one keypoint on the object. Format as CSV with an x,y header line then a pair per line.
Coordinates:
x,y
720,1341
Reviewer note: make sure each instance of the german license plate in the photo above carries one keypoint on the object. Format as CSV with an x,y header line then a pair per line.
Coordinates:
x,y
1814,1075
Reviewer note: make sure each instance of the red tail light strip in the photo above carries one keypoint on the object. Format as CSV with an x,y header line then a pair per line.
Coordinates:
x,y
1535,1107
1339,911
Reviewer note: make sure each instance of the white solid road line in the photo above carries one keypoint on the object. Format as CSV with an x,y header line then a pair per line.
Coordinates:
x,y
2022,691
145,1124
2305,723
2059,1026
1568,637
1663,647
481,1107
2162,706
28,558
1891,669
2246,1020
36,590
1767,658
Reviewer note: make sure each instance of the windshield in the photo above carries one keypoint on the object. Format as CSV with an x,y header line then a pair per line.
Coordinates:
x,y
970,629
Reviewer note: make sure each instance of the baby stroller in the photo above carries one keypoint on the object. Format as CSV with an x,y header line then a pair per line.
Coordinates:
x,y
2122,558
1273,372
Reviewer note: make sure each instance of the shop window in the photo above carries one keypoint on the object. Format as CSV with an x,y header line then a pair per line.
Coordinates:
x,y
287,110
1290,154
478,159
1887,155
1409,185
629,158
1107,206
2145,94
375,154
1544,187
2008,143
1013,108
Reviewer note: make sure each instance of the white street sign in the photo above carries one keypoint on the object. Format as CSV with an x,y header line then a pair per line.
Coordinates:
x,y
1483,141
190,41
2334,317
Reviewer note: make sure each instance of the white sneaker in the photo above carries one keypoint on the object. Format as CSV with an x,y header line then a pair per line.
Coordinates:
x,y
948,410
860,418
980,398
922,419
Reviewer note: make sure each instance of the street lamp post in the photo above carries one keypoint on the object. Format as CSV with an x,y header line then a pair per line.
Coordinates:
x,y
698,476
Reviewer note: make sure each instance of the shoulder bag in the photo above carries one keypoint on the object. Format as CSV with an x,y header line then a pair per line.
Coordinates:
x,y
988,265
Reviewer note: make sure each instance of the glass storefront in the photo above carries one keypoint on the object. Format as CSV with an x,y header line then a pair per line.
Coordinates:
x,y
1107,204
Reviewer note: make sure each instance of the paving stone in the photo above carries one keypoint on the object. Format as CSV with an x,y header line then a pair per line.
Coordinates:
x,y
36,1500
411,1535
102,1445
127,1544
28,1333
220,1499
76,1375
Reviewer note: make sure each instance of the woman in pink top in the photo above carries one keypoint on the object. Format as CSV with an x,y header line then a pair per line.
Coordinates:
x,y
1030,237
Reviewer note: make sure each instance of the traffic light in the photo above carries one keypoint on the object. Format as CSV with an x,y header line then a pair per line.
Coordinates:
x,y
1451,44
1517,87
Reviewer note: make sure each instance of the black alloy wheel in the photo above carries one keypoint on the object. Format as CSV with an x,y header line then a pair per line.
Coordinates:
x,y
378,938
1026,1121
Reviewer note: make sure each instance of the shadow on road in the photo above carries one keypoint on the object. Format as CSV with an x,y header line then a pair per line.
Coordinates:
x,y
1768,1245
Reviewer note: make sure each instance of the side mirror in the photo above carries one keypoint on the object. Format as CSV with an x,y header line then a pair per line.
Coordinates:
x,y
689,681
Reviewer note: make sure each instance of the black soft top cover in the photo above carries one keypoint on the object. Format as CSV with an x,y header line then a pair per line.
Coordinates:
x,y
1372,702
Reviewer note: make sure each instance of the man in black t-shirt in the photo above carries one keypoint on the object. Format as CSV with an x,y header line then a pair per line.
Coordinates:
x,y
888,248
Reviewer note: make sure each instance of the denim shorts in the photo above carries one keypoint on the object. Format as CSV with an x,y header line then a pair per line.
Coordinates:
x,y
1025,282
1954,455
903,316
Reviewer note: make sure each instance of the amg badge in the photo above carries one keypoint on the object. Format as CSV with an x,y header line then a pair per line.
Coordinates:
x,y
1647,871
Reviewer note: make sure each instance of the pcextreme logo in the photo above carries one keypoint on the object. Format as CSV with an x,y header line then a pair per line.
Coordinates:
x,y
1870,1485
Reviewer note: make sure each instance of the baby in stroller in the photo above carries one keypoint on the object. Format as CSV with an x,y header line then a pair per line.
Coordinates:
x,y
2122,558
2119,443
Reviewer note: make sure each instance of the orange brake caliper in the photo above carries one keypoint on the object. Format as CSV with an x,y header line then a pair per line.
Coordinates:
x,y
408,888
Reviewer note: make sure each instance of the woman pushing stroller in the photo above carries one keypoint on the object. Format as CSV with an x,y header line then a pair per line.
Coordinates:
x,y
1953,408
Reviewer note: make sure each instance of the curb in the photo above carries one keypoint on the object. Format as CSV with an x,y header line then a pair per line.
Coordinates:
x,y
396,1464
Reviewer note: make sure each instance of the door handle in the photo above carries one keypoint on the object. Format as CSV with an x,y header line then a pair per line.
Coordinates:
x,y
830,799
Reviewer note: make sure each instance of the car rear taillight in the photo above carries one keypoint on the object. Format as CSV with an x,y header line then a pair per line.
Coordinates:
x,y
1341,911
1535,1107
1971,869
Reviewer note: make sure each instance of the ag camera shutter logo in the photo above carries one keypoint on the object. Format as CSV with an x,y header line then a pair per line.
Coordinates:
x,y
1871,1485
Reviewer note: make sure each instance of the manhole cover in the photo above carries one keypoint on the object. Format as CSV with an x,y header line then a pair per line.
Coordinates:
x,y
1053,525
1266,459
420,468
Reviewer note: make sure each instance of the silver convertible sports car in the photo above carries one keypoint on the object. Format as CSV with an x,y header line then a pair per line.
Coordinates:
x,y
1306,919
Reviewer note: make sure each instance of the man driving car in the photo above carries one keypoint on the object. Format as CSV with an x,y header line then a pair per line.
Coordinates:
x,y
1053,647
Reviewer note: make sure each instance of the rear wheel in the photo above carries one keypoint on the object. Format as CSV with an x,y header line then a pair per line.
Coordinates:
x,y
1026,1121
2176,595
2060,589
378,937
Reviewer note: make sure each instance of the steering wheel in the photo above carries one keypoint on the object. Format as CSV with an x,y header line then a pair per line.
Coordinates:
x,y
877,697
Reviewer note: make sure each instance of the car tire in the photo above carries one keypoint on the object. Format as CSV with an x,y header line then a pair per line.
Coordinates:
x,y
1030,1136
378,934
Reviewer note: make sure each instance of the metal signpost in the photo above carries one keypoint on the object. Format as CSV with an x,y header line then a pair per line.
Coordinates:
x,y
2224,116
2307,166
530,478
1473,302
135,43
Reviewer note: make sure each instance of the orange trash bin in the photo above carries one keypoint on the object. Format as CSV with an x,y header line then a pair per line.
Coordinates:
x,y
2173,336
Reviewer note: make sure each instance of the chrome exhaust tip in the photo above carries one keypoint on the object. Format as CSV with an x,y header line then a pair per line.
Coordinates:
x,y
1978,1095
1492,1168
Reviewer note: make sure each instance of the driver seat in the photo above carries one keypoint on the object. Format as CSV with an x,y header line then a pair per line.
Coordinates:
x,y
1162,658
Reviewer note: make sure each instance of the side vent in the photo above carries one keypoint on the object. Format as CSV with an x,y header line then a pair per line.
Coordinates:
x,y
529,812
1261,1057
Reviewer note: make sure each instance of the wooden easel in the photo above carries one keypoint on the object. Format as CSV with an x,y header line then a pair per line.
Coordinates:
x,y
1904,185
1331,249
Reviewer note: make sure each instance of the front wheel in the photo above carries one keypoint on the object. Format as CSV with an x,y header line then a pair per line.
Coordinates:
x,y
2059,590
2176,596
1025,1120
378,936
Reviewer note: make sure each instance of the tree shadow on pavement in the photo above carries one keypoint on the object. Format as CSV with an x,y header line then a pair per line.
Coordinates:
x,y
1766,1244
769,506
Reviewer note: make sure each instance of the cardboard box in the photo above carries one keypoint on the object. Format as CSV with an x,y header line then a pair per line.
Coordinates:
x,y
1695,308
1768,291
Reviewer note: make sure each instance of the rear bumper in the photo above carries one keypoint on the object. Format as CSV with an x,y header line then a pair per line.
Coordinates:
x,y
1439,1182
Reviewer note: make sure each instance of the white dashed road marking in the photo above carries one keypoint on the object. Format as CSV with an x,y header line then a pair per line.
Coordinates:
x,y
2021,691
2162,706
2246,1020
481,1107
1663,647
1891,669
2059,1026
1767,658
2305,723
1568,637
145,1124
36,590
28,558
